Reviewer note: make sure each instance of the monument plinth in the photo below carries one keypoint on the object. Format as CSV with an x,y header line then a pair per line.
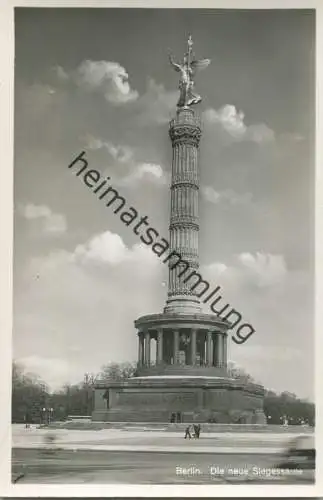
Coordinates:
x,y
186,376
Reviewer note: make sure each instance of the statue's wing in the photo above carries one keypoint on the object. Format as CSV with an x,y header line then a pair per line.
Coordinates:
x,y
201,64
176,66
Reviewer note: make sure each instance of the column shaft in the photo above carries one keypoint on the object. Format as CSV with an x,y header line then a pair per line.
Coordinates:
x,y
220,349
214,350
209,349
147,348
176,346
185,133
225,348
193,347
140,348
159,353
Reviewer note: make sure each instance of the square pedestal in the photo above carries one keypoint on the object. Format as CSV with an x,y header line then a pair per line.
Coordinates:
x,y
190,399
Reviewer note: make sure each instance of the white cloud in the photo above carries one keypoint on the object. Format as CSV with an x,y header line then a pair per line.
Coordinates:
x,y
110,248
216,268
51,222
135,173
265,269
232,122
60,73
120,153
259,270
35,211
230,118
229,196
110,78
259,133
276,301
150,172
157,105
106,247
88,297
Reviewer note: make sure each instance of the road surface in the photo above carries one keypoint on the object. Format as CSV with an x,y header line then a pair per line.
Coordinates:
x,y
99,467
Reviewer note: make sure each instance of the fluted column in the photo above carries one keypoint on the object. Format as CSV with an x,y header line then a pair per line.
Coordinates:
x,y
185,133
209,349
147,348
159,356
193,346
176,346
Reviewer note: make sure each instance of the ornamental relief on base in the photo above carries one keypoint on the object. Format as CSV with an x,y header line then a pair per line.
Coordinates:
x,y
152,399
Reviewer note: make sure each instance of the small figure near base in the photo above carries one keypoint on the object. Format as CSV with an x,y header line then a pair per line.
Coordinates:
x,y
187,432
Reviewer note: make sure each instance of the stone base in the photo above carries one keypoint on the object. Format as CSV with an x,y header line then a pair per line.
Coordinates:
x,y
189,399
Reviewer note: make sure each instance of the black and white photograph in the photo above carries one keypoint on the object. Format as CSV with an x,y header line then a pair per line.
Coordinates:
x,y
163,322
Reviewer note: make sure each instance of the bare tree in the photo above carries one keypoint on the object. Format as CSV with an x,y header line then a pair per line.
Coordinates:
x,y
117,371
29,395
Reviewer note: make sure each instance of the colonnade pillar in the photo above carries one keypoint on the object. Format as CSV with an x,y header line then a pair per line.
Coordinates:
x,y
159,354
220,350
140,348
215,347
176,346
225,348
193,346
209,357
147,348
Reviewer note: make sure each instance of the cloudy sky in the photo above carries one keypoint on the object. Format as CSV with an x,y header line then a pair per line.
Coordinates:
x,y
99,80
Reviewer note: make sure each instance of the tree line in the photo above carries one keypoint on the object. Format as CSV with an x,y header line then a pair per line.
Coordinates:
x,y
34,402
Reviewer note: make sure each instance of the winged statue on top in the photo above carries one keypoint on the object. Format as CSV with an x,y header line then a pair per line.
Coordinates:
x,y
187,70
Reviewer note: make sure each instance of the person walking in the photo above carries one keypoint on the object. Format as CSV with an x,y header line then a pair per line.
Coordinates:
x,y
187,432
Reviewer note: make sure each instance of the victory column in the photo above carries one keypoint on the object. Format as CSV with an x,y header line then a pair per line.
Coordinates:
x,y
189,379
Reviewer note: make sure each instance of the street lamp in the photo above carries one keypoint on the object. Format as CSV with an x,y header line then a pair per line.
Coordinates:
x,y
49,413
43,416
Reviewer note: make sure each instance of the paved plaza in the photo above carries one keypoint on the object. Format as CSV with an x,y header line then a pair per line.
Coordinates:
x,y
144,457
150,440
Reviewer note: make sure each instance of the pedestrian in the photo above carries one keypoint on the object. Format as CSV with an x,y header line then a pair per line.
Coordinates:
x,y
187,432
198,428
